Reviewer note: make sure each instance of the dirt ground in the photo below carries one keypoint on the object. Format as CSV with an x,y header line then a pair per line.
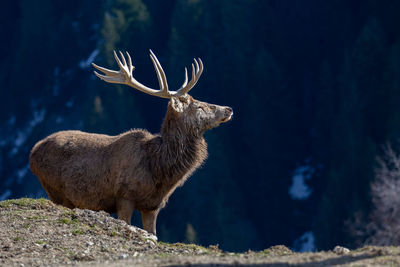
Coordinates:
x,y
36,232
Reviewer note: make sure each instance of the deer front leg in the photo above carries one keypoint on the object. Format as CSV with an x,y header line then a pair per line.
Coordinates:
x,y
149,219
125,209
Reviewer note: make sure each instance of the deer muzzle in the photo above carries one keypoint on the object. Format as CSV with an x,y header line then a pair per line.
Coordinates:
x,y
228,113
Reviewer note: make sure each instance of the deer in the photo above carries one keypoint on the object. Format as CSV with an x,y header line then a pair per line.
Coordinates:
x,y
135,170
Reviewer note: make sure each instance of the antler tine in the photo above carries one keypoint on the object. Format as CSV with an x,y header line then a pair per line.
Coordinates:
x,y
131,67
186,78
162,79
103,77
104,70
197,65
123,58
193,74
199,71
117,60
196,73
201,67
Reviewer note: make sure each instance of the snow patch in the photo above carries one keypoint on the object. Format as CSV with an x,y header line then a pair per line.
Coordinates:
x,y
9,124
83,64
21,173
22,135
69,103
299,189
5,195
11,121
59,120
305,243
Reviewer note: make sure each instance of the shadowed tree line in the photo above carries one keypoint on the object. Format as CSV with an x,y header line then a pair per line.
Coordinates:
x,y
310,82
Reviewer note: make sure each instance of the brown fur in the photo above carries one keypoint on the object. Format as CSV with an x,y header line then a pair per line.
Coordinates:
x,y
134,170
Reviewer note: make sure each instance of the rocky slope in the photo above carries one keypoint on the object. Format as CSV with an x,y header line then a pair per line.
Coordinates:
x,y
36,232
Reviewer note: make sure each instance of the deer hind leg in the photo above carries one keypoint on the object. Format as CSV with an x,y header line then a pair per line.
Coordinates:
x,y
149,219
124,210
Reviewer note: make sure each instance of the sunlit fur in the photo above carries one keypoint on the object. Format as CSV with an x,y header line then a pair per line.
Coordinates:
x,y
134,170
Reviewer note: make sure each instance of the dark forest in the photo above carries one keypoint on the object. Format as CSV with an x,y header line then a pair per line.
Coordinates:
x,y
314,85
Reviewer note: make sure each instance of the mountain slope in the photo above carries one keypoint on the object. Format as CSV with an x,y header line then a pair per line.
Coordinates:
x,y
37,232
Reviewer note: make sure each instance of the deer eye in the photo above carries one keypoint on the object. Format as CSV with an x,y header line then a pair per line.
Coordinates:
x,y
213,107
200,107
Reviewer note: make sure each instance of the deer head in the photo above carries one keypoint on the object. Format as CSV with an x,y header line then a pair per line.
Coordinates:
x,y
195,115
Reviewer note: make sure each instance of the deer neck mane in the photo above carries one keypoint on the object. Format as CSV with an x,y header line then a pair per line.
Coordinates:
x,y
182,149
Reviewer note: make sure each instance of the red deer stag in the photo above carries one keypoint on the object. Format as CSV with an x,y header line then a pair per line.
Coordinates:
x,y
136,169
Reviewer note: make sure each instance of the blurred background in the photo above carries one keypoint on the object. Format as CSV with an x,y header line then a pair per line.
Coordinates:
x,y
310,158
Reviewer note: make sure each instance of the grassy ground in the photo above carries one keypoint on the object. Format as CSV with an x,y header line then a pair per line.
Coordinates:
x,y
36,232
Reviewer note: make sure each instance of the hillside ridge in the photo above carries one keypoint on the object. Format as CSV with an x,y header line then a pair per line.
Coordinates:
x,y
36,232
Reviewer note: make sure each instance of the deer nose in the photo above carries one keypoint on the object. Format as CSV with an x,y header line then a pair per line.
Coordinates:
x,y
228,110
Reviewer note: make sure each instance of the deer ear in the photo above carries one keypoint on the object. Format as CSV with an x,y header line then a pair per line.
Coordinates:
x,y
179,104
176,104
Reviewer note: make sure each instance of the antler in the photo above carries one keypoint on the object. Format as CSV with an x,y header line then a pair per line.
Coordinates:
x,y
124,76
